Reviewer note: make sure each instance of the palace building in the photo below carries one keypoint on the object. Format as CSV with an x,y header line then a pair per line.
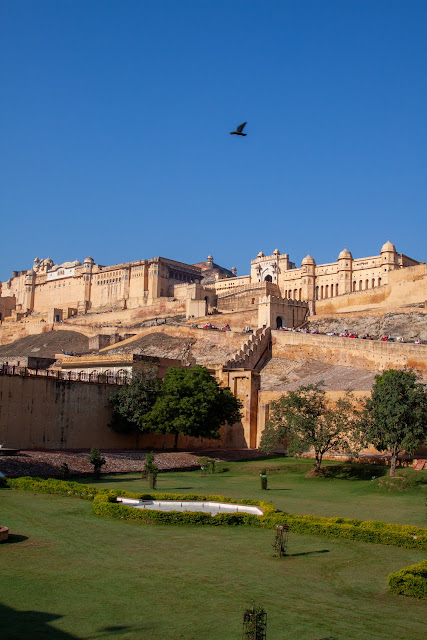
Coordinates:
x,y
75,288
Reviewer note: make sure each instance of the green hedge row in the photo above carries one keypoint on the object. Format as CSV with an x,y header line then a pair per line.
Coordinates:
x,y
410,581
105,504
60,487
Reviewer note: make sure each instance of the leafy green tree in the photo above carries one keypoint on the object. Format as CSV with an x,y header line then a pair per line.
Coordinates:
x,y
191,402
309,421
396,413
151,470
96,461
133,400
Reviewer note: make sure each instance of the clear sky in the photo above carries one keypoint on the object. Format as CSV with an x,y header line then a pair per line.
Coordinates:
x,y
115,118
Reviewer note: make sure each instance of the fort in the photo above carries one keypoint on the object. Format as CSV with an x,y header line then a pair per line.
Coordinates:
x,y
69,331
74,288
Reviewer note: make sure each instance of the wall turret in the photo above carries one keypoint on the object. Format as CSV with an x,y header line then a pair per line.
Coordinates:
x,y
345,269
308,267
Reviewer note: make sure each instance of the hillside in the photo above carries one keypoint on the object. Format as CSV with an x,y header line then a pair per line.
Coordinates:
x,y
46,345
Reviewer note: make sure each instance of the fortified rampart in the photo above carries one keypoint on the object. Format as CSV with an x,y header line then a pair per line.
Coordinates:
x,y
58,414
364,354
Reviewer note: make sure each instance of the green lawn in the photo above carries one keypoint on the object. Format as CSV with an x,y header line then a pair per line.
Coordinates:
x,y
67,573
353,494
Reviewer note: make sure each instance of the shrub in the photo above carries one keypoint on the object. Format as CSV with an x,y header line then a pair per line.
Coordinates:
x,y
60,487
96,461
263,478
410,581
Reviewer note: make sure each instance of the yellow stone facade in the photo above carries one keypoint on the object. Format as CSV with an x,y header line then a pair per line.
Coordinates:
x,y
76,288
313,282
72,288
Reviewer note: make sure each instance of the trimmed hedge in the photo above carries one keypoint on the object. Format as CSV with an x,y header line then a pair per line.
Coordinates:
x,y
410,581
104,504
52,486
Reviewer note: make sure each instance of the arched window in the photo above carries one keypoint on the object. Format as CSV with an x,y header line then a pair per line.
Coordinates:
x,y
366,284
317,293
300,294
354,285
327,291
360,285
295,294
373,283
379,282
268,279
321,292
336,289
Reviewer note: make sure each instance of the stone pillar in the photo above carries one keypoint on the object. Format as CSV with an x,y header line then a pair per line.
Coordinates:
x,y
345,272
87,277
154,280
30,281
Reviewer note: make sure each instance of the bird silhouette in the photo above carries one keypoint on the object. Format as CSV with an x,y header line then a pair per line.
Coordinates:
x,y
239,130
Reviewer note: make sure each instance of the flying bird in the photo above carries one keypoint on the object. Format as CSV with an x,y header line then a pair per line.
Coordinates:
x,y
239,130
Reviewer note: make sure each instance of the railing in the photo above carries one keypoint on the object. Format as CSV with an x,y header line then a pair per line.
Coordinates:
x,y
72,376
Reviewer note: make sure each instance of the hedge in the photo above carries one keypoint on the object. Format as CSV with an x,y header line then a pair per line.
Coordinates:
x,y
104,504
410,581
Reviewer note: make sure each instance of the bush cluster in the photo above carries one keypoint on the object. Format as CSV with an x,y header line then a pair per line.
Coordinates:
x,y
410,581
105,504
60,487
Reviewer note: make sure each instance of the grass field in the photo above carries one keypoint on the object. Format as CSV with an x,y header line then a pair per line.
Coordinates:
x,y
350,492
69,574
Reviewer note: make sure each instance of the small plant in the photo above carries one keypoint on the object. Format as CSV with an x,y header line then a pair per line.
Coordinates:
x,y
263,477
254,623
150,470
206,465
96,461
64,471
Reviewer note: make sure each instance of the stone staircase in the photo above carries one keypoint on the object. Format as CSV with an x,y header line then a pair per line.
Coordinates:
x,y
253,353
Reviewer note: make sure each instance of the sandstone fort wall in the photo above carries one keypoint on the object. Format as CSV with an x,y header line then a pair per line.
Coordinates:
x,y
365,354
55,414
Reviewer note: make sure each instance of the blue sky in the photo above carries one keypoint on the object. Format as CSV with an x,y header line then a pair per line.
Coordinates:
x,y
115,118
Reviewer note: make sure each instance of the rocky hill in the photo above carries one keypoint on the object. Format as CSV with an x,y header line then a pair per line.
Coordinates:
x,y
46,345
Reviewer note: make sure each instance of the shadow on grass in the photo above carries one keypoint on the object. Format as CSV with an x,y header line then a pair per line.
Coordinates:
x,y
16,625
354,471
113,630
13,538
306,553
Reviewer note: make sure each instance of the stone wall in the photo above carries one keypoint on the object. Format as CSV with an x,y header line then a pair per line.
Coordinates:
x,y
363,354
405,286
41,413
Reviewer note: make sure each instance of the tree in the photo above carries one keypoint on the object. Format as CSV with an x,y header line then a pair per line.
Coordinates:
x,y
132,401
97,462
396,413
150,470
191,402
310,422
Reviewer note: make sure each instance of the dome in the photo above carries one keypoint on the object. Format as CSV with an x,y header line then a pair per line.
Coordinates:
x,y
388,246
308,260
260,255
89,259
345,254
276,252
